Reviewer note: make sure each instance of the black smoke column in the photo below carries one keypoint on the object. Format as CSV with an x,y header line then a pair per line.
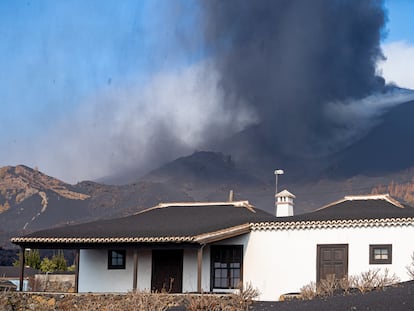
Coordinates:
x,y
289,58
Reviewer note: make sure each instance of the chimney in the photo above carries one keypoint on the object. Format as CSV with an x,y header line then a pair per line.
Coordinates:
x,y
284,203
231,196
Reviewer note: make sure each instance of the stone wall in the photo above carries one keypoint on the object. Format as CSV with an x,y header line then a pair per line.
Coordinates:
x,y
53,283
25,301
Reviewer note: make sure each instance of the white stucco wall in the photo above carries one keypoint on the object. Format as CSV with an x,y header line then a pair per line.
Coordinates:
x,y
190,270
275,261
282,261
94,275
144,270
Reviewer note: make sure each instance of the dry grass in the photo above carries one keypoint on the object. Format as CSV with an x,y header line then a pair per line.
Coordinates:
x,y
239,301
328,286
137,301
134,301
410,267
203,302
347,283
309,291
374,279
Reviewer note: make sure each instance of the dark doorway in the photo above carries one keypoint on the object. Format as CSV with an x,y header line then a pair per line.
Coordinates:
x,y
332,260
167,271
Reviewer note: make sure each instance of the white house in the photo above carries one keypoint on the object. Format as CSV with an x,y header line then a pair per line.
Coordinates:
x,y
347,237
211,247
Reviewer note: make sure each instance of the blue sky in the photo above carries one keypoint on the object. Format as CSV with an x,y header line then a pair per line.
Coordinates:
x,y
79,79
398,46
56,52
400,24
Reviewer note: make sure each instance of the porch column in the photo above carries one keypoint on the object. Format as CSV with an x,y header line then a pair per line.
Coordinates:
x,y
135,279
22,259
199,267
77,270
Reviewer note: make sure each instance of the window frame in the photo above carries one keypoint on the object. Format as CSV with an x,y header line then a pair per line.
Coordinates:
x,y
373,260
221,251
122,255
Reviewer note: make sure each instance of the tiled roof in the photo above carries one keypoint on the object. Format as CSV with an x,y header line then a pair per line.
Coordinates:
x,y
322,224
359,207
285,193
173,223
351,211
201,223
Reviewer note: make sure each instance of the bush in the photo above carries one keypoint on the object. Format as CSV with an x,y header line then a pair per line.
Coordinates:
x,y
374,279
367,281
57,263
239,301
309,291
410,267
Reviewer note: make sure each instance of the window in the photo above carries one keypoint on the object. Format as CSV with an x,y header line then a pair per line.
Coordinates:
x,y
226,266
380,254
116,259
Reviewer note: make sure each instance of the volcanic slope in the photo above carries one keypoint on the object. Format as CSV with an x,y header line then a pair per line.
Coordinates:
x,y
31,200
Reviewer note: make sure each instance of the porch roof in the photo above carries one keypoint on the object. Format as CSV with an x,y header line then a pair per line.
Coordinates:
x,y
165,223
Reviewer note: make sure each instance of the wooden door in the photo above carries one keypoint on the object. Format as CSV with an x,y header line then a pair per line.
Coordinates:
x,y
167,271
332,259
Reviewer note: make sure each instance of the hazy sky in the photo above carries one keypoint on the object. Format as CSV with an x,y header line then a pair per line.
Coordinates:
x,y
86,87
398,46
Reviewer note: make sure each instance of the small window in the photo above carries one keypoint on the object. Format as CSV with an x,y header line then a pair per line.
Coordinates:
x,y
226,266
380,254
116,259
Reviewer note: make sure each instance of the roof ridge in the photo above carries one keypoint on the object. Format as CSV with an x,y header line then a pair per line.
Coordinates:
x,y
241,203
383,196
378,196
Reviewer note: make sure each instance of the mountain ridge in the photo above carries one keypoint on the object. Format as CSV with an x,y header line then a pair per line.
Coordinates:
x,y
31,200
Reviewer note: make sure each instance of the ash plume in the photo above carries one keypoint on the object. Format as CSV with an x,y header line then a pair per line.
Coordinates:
x,y
290,59
192,75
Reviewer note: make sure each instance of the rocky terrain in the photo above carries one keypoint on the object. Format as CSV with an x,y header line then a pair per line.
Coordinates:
x,y
31,200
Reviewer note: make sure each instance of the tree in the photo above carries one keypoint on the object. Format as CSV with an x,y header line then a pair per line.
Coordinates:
x,y
47,265
60,261
32,259
57,263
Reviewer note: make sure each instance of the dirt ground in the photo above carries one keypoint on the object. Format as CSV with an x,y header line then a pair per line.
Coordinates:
x,y
397,298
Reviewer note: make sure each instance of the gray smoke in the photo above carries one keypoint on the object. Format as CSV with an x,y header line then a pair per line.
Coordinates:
x,y
288,59
303,70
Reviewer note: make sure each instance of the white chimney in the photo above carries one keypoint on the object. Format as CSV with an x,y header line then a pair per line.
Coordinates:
x,y
284,203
